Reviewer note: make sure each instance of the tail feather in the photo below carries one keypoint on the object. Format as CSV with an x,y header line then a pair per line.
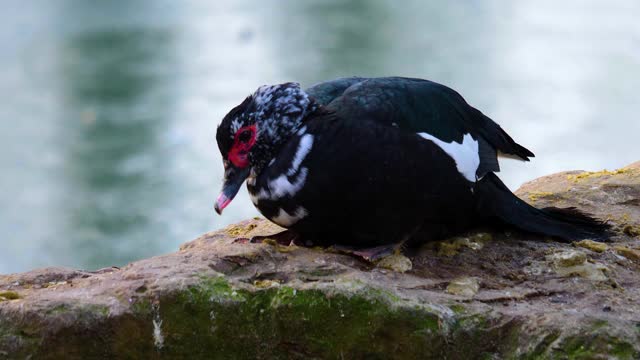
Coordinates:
x,y
495,200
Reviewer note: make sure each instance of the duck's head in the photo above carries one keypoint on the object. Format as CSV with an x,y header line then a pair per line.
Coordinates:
x,y
251,134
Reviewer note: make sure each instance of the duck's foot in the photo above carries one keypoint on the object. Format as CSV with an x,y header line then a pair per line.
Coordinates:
x,y
284,238
289,238
368,254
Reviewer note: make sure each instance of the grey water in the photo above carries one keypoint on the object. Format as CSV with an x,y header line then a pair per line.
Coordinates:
x,y
108,110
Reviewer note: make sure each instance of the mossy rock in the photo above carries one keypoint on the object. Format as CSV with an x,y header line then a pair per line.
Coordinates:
x,y
219,298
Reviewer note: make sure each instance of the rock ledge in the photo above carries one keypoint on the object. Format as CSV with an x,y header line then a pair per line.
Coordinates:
x,y
485,295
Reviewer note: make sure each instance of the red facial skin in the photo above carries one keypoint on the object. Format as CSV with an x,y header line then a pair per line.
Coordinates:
x,y
239,153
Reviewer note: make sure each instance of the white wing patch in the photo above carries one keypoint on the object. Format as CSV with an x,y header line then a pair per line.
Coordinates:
x,y
465,154
285,219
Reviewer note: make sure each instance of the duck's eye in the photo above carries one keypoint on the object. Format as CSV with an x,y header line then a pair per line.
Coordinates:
x,y
245,136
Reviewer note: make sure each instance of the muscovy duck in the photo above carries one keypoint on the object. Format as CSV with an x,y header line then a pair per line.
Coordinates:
x,y
372,161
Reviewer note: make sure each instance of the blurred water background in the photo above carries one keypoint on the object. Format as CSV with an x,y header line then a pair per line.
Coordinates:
x,y
108,109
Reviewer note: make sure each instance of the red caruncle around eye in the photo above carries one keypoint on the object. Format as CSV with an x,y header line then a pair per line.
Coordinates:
x,y
243,141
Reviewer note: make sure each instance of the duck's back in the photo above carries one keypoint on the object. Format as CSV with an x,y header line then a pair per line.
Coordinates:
x,y
419,106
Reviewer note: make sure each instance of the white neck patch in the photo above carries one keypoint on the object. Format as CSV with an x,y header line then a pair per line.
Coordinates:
x,y
285,219
281,185
464,154
304,147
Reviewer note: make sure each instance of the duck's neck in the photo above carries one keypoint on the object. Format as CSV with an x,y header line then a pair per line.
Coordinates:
x,y
283,109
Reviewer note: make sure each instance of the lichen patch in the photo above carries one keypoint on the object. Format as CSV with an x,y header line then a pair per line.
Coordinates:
x,y
9,295
596,174
592,245
395,262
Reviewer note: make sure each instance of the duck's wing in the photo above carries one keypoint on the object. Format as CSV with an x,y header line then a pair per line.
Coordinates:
x,y
429,109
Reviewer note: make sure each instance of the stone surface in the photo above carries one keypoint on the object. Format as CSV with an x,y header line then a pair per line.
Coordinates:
x,y
395,262
221,297
464,286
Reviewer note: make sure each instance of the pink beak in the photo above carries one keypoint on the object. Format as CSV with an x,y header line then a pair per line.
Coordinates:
x,y
233,179
222,203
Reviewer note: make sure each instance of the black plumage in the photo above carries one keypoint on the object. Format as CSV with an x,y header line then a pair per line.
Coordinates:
x,y
420,106
368,162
